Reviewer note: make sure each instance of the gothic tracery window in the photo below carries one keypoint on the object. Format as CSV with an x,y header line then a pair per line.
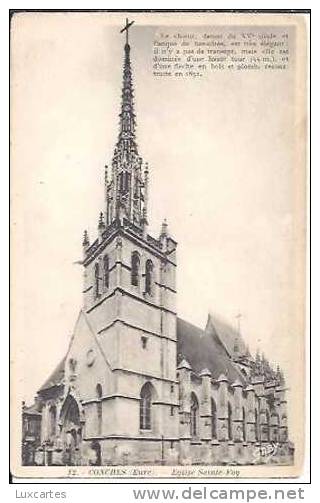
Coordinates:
x,y
244,424
194,416
268,425
135,269
126,181
121,181
96,281
149,276
256,424
52,420
106,271
145,407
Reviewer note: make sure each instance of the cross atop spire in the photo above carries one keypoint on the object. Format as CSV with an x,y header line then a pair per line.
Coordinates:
x,y
126,29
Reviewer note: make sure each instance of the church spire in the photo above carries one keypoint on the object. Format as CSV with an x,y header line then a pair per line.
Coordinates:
x,y
126,193
126,139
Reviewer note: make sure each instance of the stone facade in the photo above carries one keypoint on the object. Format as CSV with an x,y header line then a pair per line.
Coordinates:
x,y
138,385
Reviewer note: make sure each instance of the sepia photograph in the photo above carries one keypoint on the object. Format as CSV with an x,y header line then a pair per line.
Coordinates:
x,y
158,244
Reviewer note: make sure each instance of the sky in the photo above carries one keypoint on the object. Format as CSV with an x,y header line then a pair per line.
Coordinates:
x,y
226,170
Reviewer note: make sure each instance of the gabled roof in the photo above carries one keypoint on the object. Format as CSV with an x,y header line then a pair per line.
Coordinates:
x,y
56,377
204,349
228,335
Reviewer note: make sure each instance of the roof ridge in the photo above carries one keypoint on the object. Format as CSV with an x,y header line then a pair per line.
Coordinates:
x,y
191,324
205,348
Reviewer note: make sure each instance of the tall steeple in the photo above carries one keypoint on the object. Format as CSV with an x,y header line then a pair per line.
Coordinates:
x,y
126,193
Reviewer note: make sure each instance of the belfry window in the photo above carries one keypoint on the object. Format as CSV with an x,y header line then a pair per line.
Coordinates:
x,y
121,182
194,416
135,269
96,281
136,189
149,276
145,407
106,272
126,181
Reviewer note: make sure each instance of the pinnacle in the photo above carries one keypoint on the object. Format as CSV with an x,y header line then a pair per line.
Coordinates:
x,y
101,221
85,241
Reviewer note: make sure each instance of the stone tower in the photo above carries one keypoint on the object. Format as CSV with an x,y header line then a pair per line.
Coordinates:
x,y
129,299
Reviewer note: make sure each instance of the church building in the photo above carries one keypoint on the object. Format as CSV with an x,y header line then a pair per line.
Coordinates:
x,y
138,384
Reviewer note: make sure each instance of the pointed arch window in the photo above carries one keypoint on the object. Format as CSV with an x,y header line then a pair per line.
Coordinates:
x,y
244,425
275,424
106,272
135,269
194,416
268,425
149,276
96,281
230,432
213,419
146,407
52,420
136,188
126,181
256,424
121,182
99,408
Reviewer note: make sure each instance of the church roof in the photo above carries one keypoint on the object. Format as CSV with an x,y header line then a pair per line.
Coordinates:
x,y
31,410
204,349
56,377
227,334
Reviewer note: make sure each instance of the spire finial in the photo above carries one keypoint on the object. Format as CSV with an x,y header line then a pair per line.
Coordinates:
x,y
101,221
126,29
85,241
164,228
279,375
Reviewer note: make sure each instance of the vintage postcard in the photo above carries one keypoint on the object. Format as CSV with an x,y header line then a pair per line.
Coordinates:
x,y
158,298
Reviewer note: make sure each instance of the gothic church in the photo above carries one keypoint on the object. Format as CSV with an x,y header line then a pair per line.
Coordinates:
x,y
139,385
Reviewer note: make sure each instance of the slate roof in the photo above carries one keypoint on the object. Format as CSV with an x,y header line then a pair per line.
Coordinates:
x,y
227,334
204,349
56,377
31,410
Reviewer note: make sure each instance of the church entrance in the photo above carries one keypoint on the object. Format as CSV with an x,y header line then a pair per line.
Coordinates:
x,y
71,432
